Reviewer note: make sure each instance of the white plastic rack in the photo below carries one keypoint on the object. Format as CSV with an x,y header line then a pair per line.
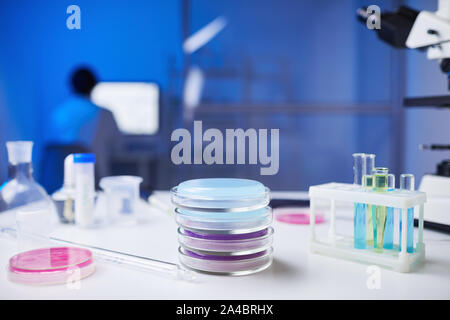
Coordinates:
x,y
342,247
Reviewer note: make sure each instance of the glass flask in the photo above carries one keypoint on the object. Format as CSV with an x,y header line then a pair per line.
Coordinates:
x,y
21,191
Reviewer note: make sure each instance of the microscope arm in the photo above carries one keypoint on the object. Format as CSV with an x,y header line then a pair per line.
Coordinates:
x,y
431,30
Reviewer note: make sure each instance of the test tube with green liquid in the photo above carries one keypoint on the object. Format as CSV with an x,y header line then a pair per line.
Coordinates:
x,y
380,178
368,185
407,183
370,210
389,228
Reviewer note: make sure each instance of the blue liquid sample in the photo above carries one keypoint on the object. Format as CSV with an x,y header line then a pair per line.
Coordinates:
x,y
388,242
359,223
410,231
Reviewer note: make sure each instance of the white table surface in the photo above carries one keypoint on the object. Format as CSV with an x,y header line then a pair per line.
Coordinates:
x,y
295,273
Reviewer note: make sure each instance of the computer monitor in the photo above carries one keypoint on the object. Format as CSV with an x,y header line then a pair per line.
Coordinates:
x,y
135,105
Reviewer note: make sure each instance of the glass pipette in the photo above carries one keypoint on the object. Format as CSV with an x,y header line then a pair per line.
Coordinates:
x,y
125,259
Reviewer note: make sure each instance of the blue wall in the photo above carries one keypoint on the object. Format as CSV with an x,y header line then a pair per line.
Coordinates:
x,y
122,40
300,53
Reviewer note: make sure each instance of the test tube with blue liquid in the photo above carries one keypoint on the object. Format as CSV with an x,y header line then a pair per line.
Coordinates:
x,y
407,183
388,242
359,220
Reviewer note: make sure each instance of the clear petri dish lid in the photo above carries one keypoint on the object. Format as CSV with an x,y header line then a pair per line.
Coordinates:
x,y
225,216
220,256
225,237
216,244
209,223
221,195
230,266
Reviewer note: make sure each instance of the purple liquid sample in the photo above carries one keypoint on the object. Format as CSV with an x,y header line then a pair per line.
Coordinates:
x,y
212,236
253,241
223,258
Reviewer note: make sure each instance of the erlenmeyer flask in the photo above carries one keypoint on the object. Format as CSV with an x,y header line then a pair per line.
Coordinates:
x,y
21,189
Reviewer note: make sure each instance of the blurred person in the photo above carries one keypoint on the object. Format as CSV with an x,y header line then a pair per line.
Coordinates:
x,y
78,121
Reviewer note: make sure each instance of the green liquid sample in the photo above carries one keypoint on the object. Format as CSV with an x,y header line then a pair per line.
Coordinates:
x,y
368,184
381,214
369,225
379,223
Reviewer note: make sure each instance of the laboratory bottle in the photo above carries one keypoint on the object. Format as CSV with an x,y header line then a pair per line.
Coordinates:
x,y
21,191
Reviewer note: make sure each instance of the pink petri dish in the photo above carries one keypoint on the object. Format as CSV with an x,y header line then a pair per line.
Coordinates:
x,y
296,216
51,265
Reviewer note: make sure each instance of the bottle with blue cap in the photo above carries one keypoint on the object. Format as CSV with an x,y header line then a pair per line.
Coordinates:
x,y
83,164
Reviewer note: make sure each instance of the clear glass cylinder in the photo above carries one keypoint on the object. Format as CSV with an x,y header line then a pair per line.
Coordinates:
x,y
369,160
358,168
391,181
407,181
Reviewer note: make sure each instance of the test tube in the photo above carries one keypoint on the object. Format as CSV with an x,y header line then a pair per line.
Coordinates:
x,y
84,188
368,185
359,215
388,242
407,183
379,220
369,163
358,167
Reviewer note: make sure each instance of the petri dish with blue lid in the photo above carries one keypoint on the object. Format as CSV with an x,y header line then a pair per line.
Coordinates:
x,y
224,205
220,218
222,194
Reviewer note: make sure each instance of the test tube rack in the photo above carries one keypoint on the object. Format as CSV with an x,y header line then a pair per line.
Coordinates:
x,y
342,246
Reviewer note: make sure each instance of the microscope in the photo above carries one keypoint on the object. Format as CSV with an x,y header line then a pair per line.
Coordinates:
x,y
429,32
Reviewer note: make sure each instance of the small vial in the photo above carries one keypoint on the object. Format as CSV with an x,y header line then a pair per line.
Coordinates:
x,y
381,179
407,183
84,188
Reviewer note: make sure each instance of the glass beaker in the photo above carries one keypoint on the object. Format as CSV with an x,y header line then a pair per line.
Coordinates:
x,y
122,195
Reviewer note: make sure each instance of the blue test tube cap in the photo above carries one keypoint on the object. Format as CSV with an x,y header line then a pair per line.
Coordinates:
x,y
83,158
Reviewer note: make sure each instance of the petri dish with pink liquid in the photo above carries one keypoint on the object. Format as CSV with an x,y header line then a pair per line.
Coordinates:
x,y
46,266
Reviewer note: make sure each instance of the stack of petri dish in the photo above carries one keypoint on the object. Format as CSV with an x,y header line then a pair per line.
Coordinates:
x,y
224,225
